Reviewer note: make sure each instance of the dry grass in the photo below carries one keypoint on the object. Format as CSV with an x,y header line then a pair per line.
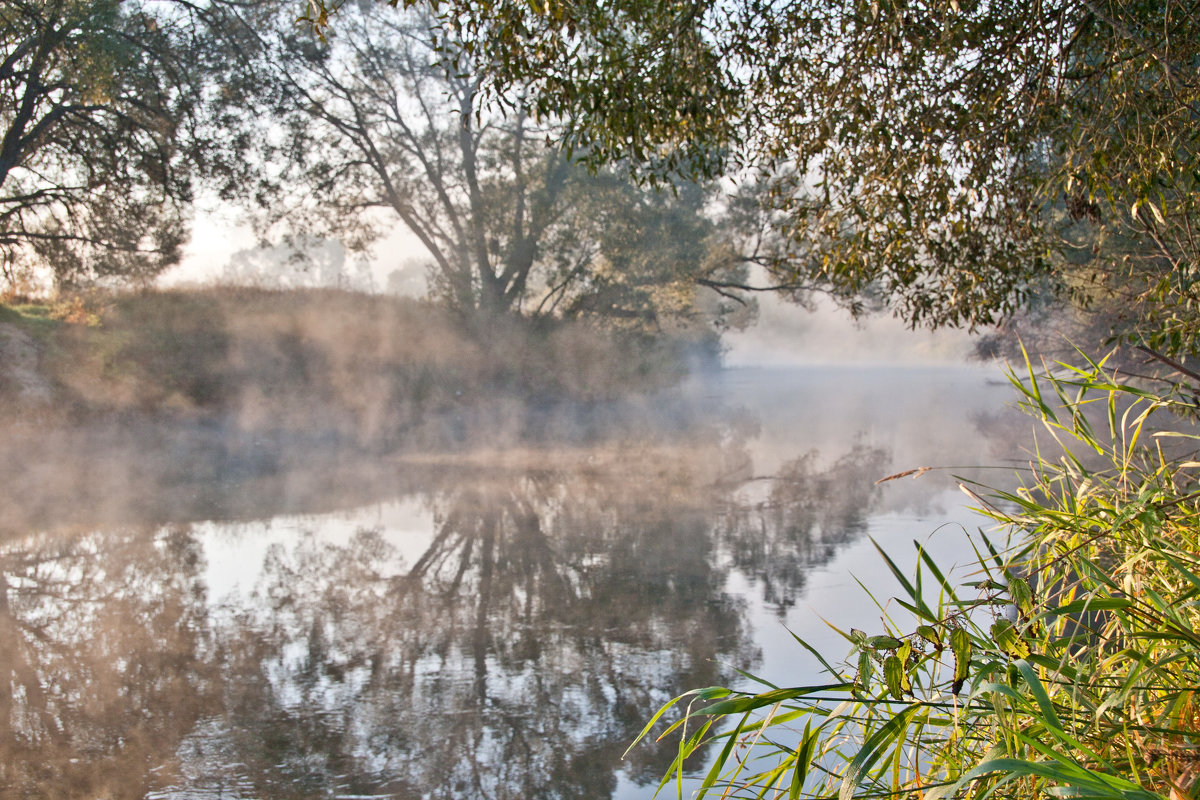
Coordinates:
x,y
367,367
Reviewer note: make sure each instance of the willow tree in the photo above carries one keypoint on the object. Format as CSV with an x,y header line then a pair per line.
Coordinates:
x,y
386,124
957,158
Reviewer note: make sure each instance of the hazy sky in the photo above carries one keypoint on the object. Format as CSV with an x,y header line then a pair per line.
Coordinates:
x,y
217,236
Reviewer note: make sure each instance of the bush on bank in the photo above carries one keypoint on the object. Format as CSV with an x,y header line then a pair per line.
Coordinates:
x,y
1067,666
372,367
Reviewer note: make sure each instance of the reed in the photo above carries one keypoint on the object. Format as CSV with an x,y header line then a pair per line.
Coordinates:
x,y
1067,665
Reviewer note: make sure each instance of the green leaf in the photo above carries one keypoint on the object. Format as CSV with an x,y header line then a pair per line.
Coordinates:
x,y
1022,595
960,644
883,643
897,679
874,748
1039,694
739,705
931,635
903,580
1083,782
865,669
651,723
804,758
1008,639
723,758
1090,604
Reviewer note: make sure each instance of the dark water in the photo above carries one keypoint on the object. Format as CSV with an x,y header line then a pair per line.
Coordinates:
x,y
220,615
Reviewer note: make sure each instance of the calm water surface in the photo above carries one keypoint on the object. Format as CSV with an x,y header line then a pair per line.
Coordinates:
x,y
217,615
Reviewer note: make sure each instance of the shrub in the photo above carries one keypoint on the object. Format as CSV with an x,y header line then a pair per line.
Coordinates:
x,y
367,368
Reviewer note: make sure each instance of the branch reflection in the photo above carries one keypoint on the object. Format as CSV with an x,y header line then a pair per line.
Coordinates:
x,y
101,644
510,647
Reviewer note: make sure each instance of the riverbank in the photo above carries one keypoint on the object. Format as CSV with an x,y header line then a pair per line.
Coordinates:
x,y
363,368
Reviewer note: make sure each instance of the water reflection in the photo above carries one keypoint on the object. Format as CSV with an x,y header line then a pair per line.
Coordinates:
x,y
491,622
810,512
101,641
516,656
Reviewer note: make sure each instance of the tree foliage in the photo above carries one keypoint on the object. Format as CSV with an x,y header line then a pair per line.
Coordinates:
x,y
378,125
88,163
100,135
960,159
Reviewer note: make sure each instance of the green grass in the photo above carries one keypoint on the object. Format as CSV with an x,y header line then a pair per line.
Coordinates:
x,y
1067,666
35,318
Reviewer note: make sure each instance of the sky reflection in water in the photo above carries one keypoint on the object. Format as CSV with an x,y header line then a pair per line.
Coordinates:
x,y
281,619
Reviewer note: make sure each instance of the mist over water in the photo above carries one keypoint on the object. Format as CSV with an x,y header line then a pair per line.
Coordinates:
x,y
198,610
786,334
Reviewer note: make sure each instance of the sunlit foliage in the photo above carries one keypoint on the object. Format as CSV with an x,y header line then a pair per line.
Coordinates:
x,y
957,159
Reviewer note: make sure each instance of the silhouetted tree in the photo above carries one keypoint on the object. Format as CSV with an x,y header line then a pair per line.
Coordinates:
x,y
103,132
378,126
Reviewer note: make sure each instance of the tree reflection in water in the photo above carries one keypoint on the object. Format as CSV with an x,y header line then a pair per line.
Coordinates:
x,y
517,656
811,513
100,642
553,609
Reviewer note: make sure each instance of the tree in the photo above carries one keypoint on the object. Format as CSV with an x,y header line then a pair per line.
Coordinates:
x,y
101,135
958,159
378,125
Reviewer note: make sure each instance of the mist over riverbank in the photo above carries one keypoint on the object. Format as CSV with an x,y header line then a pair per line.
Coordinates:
x,y
221,403
362,367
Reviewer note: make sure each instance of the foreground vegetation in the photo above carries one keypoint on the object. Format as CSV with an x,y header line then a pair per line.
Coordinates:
x,y
1066,666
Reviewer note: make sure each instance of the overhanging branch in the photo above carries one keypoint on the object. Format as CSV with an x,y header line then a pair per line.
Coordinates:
x,y
727,288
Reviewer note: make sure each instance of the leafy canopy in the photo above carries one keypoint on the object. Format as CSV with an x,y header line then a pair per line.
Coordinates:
x,y
959,159
103,134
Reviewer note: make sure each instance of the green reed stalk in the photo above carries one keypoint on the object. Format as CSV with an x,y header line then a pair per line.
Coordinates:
x,y
1068,667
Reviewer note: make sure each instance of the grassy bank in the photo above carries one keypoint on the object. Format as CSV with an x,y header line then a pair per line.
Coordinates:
x,y
366,367
1066,666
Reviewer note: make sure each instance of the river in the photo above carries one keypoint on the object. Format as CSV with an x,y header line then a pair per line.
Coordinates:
x,y
216,615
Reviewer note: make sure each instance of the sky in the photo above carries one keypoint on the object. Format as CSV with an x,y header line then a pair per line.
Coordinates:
x,y
218,238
